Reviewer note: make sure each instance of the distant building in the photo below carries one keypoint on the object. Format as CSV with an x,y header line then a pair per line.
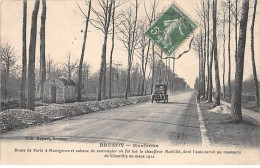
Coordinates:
x,y
59,90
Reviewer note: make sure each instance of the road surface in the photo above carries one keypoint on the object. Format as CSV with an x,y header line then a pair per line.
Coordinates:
x,y
175,122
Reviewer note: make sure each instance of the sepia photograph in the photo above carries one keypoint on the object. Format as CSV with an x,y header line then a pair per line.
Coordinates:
x,y
129,82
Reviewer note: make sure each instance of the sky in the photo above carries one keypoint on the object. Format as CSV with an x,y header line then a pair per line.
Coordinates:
x,y
63,35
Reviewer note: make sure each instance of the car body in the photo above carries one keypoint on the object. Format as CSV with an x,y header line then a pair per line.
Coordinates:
x,y
160,93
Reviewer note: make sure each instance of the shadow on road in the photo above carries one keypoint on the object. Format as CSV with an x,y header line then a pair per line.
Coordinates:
x,y
181,103
132,120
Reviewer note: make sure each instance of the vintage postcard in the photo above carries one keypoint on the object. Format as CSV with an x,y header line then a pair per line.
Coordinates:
x,y
129,82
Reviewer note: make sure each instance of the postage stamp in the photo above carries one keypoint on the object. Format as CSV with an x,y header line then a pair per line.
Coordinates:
x,y
171,29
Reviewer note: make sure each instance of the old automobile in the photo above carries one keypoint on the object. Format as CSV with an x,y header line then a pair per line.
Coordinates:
x,y
160,93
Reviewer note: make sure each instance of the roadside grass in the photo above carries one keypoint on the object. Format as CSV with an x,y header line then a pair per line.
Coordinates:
x,y
15,119
247,103
222,130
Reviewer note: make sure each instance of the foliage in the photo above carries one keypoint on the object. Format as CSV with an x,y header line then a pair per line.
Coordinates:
x,y
20,118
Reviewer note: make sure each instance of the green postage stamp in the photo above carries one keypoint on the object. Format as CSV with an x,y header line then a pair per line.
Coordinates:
x,y
171,29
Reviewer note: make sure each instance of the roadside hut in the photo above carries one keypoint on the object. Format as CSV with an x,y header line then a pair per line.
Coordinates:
x,y
59,90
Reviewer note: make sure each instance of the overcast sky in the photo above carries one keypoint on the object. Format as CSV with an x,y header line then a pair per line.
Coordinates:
x,y
63,35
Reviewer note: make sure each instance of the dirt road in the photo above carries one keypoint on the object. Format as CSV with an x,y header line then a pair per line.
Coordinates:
x,y
175,122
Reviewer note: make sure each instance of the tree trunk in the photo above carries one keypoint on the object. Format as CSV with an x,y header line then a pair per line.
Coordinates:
x,y
253,56
202,78
128,82
83,52
111,53
166,73
31,65
236,18
237,89
229,55
6,81
215,47
160,70
42,48
131,48
169,73
102,76
152,69
49,67
173,77
210,76
200,61
24,59
103,69
205,56
118,89
208,52
142,86
104,81
145,93
105,49
224,59
138,88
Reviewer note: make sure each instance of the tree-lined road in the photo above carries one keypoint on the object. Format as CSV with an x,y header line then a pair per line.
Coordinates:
x,y
175,122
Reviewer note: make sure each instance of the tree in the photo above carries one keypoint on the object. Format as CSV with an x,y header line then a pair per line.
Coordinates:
x,y
160,71
210,74
205,55
8,59
56,69
145,90
203,43
31,65
102,22
224,48
112,50
83,49
237,89
202,67
229,55
85,76
117,77
136,78
209,89
69,66
49,65
24,58
215,52
42,48
173,72
151,18
236,24
198,48
253,56
144,43
128,37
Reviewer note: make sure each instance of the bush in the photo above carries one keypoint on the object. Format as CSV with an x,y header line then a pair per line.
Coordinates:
x,y
10,104
60,110
14,119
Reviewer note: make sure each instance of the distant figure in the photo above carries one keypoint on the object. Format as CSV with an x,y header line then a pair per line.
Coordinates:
x,y
197,93
214,102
